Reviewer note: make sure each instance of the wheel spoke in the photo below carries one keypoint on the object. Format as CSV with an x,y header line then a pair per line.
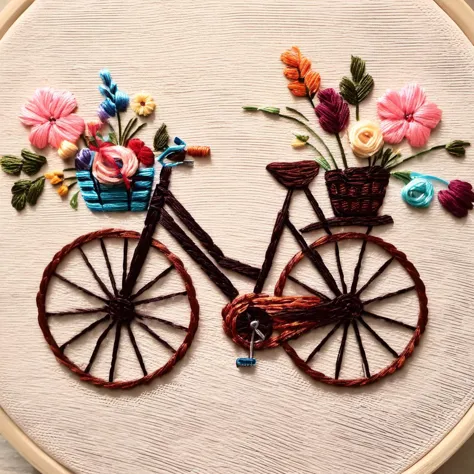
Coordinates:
x,y
309,289
340,355
152,282
84,331
161,320
339,268
95,275
355,279
160,298
137,350
389,320
321,344
315,259
124,262
155,336
118,331
103,309
389,295
376,275
361,348
99,342
109,266
379,338
78,287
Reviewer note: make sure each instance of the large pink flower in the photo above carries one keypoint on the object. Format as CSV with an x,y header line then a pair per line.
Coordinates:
x,y
406,113
50,113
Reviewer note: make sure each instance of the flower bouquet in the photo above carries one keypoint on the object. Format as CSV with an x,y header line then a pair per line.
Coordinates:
x,y
360,191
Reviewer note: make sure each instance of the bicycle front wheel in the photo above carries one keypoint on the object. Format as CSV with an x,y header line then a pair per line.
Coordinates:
x,y
105,338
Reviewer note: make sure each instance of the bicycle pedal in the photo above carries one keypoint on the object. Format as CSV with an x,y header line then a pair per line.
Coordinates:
x,y
246,362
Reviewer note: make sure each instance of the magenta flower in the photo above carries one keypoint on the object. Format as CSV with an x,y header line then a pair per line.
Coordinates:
x,y
50,113
406,113
332,111
458,198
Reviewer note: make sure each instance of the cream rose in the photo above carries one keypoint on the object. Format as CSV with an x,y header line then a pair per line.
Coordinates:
x,y
365,138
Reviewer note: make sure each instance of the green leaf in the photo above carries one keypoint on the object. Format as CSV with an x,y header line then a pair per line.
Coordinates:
x,y
113,138
250,108
35,191
297,112
131,123
160,142
270,110
74,201
404,176
348,91
32,162
11,164
357,68
21,186
323,163
19,201
457,148
364,87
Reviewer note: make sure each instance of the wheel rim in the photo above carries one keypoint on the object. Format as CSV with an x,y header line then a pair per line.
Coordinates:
x,y
418,330
119,315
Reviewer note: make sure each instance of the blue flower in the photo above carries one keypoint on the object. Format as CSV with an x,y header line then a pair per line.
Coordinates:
x,y
108,107
121,101
106,77
113,95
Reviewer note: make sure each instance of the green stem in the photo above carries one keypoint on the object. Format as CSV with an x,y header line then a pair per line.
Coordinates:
x,y
119,120
315,149
424,152
136,131
357,111
310,130
343,153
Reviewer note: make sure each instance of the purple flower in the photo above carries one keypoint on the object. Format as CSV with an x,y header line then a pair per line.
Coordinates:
x,y
332,111
458,198
84,159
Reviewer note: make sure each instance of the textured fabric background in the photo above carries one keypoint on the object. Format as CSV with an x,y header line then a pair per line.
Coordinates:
x,y
202,62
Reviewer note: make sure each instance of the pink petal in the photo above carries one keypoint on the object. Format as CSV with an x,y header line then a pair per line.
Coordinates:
x,y
413,97
30,117
417,134
390,106
42,99
63,103
67,128
428,115
394,131
39,135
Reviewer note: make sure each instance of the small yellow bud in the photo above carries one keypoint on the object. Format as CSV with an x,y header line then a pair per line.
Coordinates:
x,y
297,143
67,150
52,174
63,190
56,180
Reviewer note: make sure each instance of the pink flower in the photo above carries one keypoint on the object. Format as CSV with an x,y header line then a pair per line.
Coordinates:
x,y
406,113
50,113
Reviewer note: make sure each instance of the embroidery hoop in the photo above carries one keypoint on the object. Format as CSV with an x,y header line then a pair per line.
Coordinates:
x,y
463,16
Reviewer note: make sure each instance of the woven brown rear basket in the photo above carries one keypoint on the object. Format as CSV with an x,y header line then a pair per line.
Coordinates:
x,y
357,191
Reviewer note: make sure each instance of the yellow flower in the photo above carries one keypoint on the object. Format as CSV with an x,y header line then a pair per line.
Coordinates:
x,y
299,141
67,150
56,180
52,174
63,190
143,104
365,138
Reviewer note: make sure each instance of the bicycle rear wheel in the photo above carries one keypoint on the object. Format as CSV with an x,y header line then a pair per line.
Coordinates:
x,y
106,321
356,308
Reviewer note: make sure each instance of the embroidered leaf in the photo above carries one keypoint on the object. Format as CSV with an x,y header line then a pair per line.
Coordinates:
x,y
113,138
364,87
32,162
131,123
35,191
297,112
270,110
357,68
404,176
21,186
74,201
12,164
456,148
136,131
349,91
323,163
161,139
19,201
250,108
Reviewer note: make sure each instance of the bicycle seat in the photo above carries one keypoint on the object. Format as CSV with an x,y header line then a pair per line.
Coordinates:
x,y
296,175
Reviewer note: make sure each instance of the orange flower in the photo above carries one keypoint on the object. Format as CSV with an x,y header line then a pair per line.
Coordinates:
x,y
304,81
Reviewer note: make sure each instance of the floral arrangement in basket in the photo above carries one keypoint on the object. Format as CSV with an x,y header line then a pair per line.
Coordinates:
x,y
113,167
407,113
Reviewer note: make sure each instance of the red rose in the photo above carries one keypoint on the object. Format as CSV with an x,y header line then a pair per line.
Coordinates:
x,y
144,154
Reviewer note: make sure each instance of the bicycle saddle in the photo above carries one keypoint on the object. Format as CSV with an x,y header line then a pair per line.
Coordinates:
x,y
294,175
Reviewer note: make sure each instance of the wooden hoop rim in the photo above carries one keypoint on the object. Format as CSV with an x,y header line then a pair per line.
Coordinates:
x,y
64,360
463,16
